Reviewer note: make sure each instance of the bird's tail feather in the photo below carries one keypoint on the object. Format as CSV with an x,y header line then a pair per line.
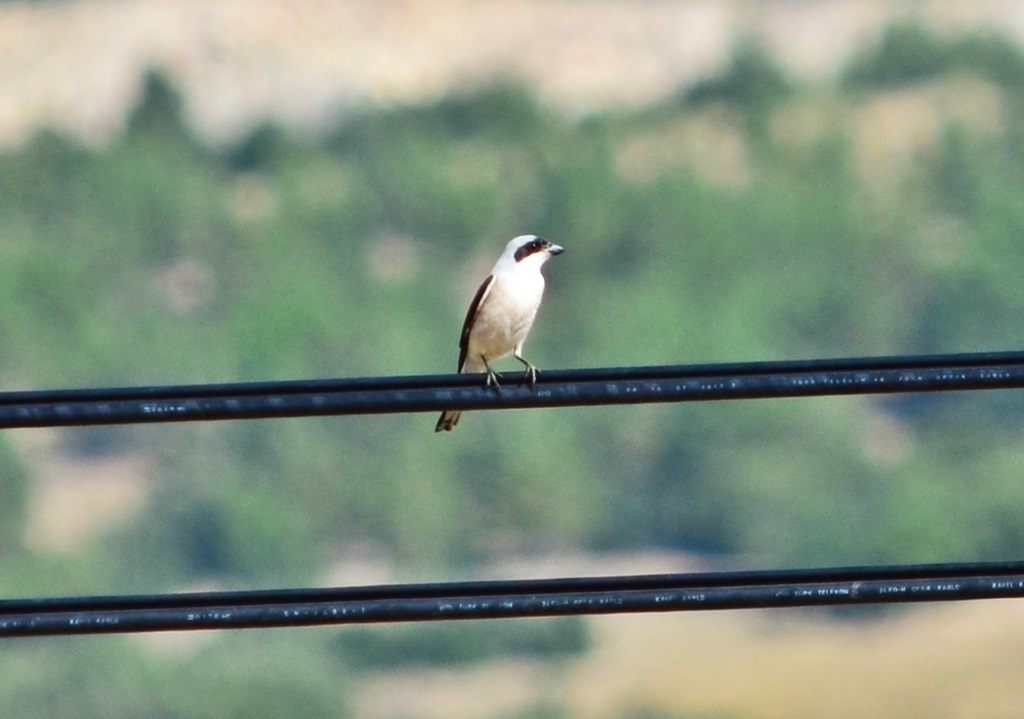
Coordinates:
x,y
447,421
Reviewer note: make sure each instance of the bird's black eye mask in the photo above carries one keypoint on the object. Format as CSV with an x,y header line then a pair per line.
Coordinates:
x,y
537,244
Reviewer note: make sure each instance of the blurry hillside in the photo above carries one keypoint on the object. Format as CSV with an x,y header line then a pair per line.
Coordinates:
x,y
745,214
76,65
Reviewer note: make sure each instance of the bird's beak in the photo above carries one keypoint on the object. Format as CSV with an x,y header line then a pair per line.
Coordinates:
x,y
556,250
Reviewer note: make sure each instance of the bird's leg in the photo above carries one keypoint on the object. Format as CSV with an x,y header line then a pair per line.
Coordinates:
x,y
492,376
531,370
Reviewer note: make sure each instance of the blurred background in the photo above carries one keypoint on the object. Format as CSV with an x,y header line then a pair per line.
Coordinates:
x,y
226,190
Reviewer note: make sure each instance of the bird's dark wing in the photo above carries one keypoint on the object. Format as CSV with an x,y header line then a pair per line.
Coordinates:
x,y
467,326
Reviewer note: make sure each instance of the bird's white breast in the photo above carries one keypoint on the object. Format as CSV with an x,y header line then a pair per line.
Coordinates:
x,y
506,315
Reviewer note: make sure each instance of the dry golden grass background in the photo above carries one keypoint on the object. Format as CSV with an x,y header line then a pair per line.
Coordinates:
x,y
939,660
76,65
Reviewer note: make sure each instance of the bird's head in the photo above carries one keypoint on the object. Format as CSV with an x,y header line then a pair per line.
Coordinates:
x,y
527,251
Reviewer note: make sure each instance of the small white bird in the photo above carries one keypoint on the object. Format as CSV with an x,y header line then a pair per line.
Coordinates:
x,y
502,313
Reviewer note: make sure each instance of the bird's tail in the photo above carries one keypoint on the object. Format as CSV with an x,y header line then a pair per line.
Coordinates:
x,y
447,421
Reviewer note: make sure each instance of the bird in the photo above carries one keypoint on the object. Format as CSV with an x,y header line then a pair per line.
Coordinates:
x,y
502,313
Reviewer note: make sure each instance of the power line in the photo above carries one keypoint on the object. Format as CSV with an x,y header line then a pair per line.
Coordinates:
x,y
554,388
511,598
524,598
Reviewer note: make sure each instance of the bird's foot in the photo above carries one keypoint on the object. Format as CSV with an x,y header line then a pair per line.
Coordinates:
x,y
492,378
531,369
530,375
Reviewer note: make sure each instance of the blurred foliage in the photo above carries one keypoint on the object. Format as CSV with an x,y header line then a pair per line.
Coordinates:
x,y
114,677
715,227
409,645
752,78
908,53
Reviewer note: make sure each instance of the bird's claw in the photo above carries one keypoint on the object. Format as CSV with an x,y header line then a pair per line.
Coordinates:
x,y
530,375
492,379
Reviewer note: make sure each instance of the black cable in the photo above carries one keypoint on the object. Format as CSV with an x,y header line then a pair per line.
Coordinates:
x,y
300,607
507,599
554,388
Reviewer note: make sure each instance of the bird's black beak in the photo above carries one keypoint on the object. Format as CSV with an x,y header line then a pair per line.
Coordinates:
x,y
555,250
